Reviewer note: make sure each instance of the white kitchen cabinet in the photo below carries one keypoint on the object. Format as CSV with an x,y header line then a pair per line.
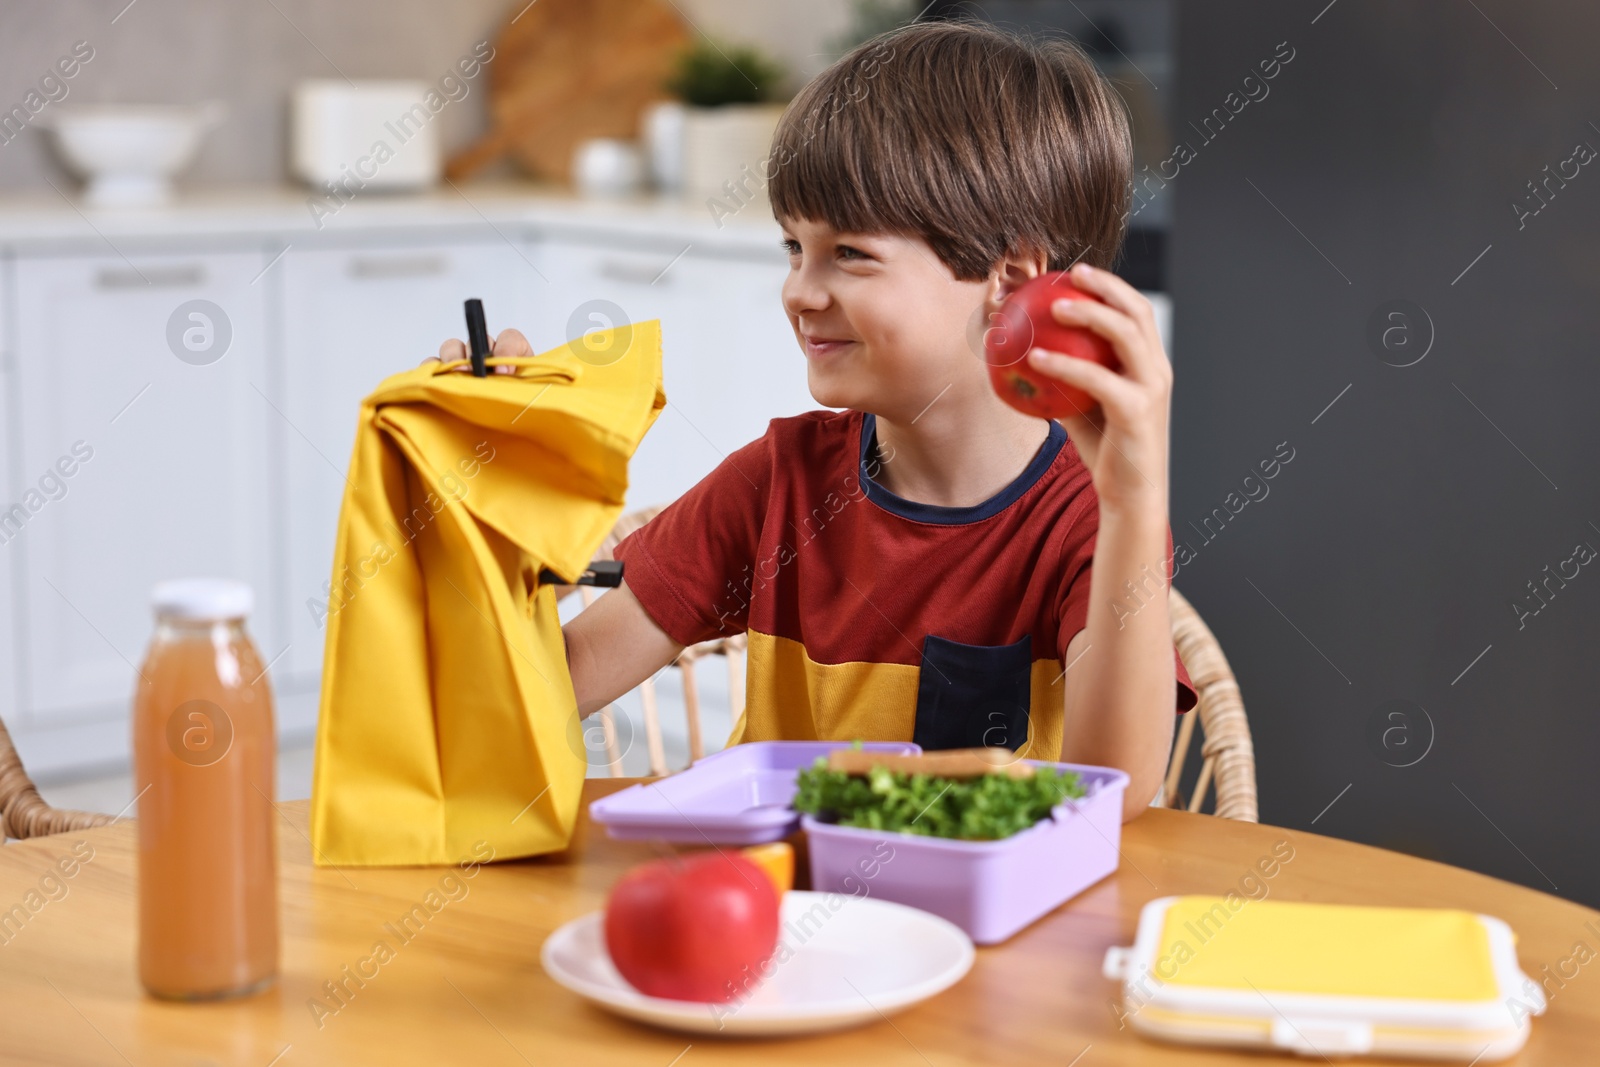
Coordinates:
x,y
736,347
730,362
11,609
235,467
143,465
351,318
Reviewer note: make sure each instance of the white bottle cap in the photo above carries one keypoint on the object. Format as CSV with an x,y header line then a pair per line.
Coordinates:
x,y
203,598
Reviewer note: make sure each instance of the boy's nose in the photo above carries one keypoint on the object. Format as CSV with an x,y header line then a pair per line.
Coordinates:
x,y
802,294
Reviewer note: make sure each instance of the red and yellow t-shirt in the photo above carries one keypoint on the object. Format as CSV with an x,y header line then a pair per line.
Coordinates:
x,y
871,616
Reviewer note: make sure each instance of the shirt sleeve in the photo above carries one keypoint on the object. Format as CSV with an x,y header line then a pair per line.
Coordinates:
x,y
687,564
1078,566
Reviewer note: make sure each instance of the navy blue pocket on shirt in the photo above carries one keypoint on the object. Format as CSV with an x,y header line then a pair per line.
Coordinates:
x,y
973,696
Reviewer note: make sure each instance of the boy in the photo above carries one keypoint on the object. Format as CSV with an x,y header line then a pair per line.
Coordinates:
x,y
929,564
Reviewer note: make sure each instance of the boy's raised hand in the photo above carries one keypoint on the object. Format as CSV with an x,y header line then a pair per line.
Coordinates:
x,y
507,344
1123,442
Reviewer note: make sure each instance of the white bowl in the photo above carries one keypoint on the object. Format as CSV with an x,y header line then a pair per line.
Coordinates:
x,y
129,152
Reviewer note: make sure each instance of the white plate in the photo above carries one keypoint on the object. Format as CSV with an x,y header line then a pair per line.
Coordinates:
x,y
841,961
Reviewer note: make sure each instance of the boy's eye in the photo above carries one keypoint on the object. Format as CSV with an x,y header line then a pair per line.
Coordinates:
x,y
791,247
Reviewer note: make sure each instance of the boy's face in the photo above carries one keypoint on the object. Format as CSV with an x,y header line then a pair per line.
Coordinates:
x,y
884,324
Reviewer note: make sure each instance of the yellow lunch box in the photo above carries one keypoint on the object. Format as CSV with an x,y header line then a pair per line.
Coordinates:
x,y
1325,979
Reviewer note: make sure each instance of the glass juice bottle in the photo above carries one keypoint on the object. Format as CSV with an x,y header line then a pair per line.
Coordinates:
x,y
203,749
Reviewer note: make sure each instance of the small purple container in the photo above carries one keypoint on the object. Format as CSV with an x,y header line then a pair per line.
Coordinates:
x,y
739,796
991,889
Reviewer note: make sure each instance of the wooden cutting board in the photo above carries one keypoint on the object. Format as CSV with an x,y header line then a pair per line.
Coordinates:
x,y
568,70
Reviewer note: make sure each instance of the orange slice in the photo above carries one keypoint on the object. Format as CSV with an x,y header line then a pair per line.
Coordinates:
x,y
777,860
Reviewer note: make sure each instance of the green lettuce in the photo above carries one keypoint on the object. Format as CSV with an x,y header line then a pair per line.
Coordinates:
x,y
985,808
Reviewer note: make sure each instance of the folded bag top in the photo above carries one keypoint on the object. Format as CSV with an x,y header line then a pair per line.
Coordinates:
x,y
448,728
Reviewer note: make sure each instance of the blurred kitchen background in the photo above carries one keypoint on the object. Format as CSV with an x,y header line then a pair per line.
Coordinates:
x,y
1368,230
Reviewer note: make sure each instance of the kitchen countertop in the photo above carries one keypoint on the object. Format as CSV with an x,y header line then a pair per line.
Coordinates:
x,y
53,220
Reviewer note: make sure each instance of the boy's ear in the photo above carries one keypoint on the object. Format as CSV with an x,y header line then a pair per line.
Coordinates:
x,y
1013,271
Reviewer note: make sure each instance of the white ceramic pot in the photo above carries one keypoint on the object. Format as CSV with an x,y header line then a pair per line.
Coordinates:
x,y
607,167
719,143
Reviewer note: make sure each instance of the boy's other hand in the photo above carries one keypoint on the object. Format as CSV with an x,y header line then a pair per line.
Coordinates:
x,y
1124,441
508,344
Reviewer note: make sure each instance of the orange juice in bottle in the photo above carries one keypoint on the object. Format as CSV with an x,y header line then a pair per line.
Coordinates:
x,y
203,749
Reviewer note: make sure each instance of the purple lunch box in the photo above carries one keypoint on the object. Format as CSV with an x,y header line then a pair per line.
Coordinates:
x,y
991,889
739,796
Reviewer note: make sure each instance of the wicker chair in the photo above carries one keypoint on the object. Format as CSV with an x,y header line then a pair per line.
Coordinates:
x,y
23,812
1227,754
732,648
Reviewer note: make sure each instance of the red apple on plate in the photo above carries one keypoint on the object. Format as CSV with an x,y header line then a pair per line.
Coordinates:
x,y
697,927
1024,322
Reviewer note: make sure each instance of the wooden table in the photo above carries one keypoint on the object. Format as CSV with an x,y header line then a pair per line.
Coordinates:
x,y
468,989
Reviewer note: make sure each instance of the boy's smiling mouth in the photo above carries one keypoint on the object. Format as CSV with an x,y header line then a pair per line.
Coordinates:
x,y
818,347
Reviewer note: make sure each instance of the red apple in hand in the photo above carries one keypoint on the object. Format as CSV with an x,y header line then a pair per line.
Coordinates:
x,y
1024,322
698,927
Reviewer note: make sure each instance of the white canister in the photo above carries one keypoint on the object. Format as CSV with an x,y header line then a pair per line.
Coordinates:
x,y
663,138
366,134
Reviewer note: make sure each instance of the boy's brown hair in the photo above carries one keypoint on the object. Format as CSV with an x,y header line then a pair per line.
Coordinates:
x,y
981,142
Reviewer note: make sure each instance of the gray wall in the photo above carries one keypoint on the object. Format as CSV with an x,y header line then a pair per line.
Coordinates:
x,y
1386,558
250,52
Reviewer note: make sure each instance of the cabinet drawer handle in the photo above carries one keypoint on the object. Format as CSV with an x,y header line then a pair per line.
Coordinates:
x,y
620,270
379,267
150,277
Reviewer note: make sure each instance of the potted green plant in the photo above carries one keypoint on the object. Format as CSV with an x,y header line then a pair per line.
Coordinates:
x,y
730,95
